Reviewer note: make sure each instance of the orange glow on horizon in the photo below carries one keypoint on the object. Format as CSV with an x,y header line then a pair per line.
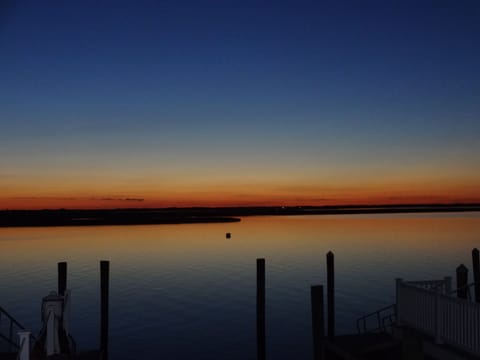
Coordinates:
x,y
107,192
39,203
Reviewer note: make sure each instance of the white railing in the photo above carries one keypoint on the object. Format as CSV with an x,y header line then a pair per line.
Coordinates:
x,y
448,319
24,352
444,286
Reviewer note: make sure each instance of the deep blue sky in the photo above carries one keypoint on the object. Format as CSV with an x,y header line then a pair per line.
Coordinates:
x,y
314,89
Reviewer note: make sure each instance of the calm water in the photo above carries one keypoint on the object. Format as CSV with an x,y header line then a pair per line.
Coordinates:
x,y
179,291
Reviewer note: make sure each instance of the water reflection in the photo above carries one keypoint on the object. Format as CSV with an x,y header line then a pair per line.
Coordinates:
x,y
178,290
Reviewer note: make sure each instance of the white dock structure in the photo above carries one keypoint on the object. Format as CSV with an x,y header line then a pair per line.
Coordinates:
x,y
432,309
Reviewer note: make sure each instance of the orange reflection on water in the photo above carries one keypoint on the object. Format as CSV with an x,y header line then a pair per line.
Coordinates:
x,y
285,236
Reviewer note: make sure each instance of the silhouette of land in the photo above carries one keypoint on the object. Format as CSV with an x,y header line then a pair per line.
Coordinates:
x,y
63,217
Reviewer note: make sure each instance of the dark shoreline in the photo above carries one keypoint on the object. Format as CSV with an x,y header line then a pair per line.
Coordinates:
x,y
62,217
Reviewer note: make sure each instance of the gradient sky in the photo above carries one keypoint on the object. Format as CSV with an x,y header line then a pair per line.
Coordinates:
x,y
180,103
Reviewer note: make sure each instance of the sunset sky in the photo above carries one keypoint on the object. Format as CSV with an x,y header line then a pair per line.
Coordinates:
x,y
107,104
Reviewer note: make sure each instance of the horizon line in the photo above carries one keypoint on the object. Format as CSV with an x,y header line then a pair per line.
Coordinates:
x,y
362,205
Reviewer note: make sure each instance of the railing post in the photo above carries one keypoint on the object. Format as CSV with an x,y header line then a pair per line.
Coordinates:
x,y
462,281
438,319
398,283
24,353
448,284
476,273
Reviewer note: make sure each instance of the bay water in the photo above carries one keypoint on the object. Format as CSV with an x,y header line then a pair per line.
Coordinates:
x,y
186,291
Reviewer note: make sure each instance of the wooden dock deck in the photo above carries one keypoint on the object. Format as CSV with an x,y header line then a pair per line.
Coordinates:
x,y
375,346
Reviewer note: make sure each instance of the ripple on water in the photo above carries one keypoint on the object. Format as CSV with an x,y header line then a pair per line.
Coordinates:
x,y
184,291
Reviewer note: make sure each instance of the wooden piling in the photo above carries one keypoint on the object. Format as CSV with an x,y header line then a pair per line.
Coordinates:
x,y
331,294
104,289
318,321
462,281
62,277
261,349
476,273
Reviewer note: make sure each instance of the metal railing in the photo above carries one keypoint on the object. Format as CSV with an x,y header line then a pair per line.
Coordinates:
x,y
467,290
8,333
384,319
10,330
444,286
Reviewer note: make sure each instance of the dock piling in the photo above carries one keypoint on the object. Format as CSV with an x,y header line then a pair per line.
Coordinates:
x,y
476,273
261,349
318,321
62,277
462,281
331,294
104,289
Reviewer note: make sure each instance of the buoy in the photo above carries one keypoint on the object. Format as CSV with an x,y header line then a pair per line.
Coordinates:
x,y
228,235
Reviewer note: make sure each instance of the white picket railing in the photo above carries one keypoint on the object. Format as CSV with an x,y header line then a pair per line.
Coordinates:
x,y
433,311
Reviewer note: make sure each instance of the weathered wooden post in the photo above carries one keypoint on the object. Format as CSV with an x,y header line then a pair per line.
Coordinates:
x,y
261,348
104,287
476,273
318,321
462,281
62,277
331,294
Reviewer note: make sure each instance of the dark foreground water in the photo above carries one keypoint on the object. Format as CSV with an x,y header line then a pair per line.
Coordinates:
x,y
185,291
